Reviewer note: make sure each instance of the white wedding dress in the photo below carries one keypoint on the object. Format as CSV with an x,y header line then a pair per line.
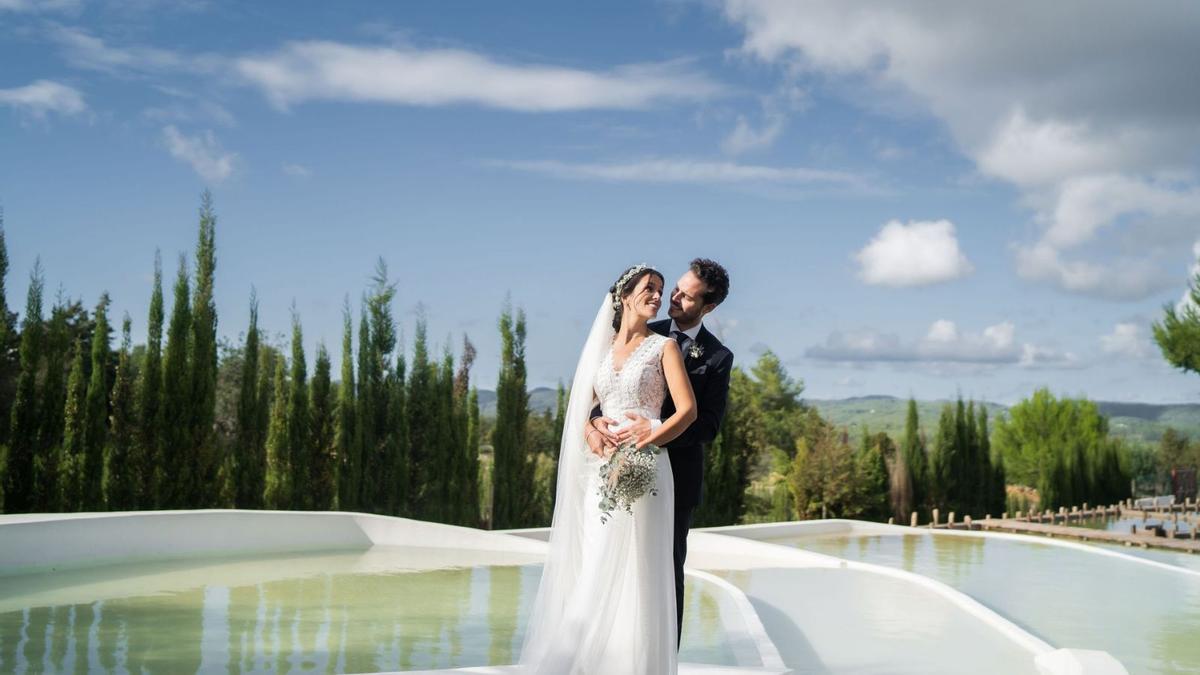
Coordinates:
x,y
606,603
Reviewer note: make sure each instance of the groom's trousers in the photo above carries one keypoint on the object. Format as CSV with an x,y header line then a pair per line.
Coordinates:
x,y
683,522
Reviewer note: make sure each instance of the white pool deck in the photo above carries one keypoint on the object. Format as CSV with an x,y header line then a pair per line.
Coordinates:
x,y
33,541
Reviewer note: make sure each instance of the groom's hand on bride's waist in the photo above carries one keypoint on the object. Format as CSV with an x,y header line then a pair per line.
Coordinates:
x,y
600,440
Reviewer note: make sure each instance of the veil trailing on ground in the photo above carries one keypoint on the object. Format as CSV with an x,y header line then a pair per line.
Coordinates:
x,y
566,550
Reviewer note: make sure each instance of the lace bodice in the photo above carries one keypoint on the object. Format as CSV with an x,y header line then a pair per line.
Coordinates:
x,y
639,387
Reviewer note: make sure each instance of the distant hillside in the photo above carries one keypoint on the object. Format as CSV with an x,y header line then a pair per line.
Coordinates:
x,y
1137,421
540,399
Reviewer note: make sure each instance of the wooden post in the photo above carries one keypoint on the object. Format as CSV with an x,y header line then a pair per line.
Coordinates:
x,y
950,520
1004,516
913,520
1085,506
891,520
967,522
934,522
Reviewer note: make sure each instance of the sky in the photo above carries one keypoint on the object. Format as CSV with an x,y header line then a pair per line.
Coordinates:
x,y
921,200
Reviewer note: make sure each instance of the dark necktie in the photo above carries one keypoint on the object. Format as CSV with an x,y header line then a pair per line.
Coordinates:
x,y
682,338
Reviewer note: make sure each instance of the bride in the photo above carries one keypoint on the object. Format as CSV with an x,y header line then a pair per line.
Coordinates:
x,y
606,603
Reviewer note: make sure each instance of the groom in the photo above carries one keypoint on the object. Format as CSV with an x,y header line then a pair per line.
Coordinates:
x,y
697,293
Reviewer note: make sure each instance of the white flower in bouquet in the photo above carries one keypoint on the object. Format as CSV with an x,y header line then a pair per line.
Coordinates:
x,y
627,476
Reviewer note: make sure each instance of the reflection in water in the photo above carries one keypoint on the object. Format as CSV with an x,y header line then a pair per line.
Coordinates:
x,y
324,623
344,612
1145,616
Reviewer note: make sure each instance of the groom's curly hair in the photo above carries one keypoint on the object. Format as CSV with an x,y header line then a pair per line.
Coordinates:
x,y
715,278
630,284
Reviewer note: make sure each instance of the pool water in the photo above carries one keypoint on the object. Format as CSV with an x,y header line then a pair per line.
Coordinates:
x,y
357,611
1145,616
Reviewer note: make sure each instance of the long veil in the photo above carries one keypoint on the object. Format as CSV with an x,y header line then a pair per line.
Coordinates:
x,y
567,528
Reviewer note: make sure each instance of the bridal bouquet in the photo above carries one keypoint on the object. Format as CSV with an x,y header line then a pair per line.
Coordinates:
x,y
628,474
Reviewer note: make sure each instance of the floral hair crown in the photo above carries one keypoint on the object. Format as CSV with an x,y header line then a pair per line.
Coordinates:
x,y
620,285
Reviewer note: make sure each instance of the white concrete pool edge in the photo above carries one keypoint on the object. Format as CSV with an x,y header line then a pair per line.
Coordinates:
x,y
763,531
28,541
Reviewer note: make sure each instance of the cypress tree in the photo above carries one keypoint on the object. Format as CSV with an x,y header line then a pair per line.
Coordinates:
x,y
382,384
203,363
299,434
24,421
422,430
943,488
985,470
915,458
400,491
322,473
449,444
96,415
150,461
9,362
277,491
347,447
466,499
70,460
472,497
367,472
249,455
57,355
120,488
512,474
176,404
269,359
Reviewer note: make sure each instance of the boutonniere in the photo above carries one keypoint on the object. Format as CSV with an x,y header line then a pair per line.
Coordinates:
x,y
696,351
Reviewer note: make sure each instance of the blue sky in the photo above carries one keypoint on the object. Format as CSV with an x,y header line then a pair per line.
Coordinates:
x,y
910,200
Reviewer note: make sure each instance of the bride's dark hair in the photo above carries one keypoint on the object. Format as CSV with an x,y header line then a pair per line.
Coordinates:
x,y
624,285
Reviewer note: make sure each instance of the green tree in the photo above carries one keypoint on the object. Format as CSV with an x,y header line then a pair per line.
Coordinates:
x,y
1178,334
349,466
24,421
277,491
426,464
914,457
299,427
96,415
474,506
202,357
399,492
945,462
71,457
322,469
120,488
68,321
871,488
512,474
9,341
176,418
150,461
249,455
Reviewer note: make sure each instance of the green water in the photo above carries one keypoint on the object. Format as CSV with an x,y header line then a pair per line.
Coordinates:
x,y
1146,617
319,613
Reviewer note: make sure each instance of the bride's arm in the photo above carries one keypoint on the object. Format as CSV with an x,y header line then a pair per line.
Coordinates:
x,y
681,393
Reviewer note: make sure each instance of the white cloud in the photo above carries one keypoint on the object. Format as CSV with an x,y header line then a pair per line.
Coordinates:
x,y
332,71
296,170
203,153
682,171
943,343
1083,127
44,96
744,138
84,50
1126,339
917,254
